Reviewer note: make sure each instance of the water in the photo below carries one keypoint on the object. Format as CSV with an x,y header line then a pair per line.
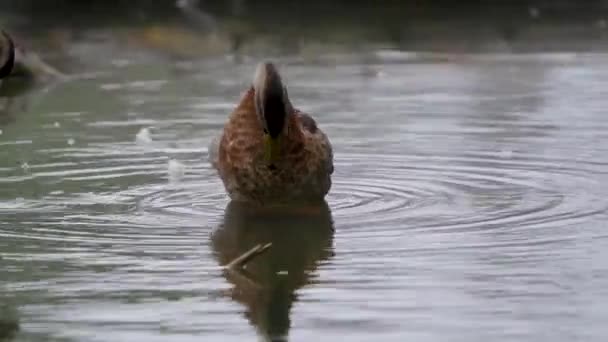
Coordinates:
x,y
469,202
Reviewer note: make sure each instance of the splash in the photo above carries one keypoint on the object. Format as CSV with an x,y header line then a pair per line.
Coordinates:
x,y
176,171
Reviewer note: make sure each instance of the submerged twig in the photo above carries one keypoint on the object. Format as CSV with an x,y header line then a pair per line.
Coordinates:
x,y
244,258
242,278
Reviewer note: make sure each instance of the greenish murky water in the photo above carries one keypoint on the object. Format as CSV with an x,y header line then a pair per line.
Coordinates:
x,y
469,199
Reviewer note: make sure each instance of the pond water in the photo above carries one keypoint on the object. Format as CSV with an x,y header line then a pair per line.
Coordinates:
x,y
469,203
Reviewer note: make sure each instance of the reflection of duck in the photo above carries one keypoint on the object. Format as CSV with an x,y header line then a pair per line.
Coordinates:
x,y
269,151
9,320
267,286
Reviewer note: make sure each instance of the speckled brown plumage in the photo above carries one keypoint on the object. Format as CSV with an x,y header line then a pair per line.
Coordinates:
x,y
301,173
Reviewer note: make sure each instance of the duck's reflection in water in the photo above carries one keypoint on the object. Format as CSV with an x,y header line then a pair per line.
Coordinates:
x,y
300,238
9,320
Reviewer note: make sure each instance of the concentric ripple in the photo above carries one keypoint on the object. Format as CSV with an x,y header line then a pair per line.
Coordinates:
x,y
370,192
192,200
474,191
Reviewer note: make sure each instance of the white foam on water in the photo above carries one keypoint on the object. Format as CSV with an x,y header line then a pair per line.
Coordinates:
x,y
143,136
176,171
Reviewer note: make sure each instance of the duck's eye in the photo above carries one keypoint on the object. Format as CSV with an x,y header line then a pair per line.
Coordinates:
x,y
265,131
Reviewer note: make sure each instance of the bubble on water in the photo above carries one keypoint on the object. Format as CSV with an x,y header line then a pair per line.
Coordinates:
x,y
176,171
25,166
57,124
143,136
71,141
0,132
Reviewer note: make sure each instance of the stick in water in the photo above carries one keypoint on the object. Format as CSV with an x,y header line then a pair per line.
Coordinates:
x,y
244,258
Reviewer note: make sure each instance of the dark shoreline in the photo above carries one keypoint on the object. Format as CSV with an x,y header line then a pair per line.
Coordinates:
x,y
436,26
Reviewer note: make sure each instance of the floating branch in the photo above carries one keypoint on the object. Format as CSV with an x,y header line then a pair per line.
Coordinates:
x,y
243,259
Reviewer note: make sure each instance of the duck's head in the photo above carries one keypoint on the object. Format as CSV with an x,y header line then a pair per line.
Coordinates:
x,y
7,54
272,107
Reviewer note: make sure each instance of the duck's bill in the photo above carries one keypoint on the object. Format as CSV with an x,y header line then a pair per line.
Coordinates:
x,y
272,148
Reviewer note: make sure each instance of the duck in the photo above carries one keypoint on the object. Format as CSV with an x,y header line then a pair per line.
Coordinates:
x,y
7,54
21,71
269,152
29,65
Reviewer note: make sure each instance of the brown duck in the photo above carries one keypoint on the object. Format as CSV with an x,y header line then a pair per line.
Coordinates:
x,y
269,152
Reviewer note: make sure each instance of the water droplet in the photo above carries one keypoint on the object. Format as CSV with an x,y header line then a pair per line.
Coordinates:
x,y
71,141
57,124
175,170
25,166
143,136
282,273
0,132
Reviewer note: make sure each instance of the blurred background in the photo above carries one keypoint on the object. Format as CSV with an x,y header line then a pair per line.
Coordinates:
x,y
193,29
